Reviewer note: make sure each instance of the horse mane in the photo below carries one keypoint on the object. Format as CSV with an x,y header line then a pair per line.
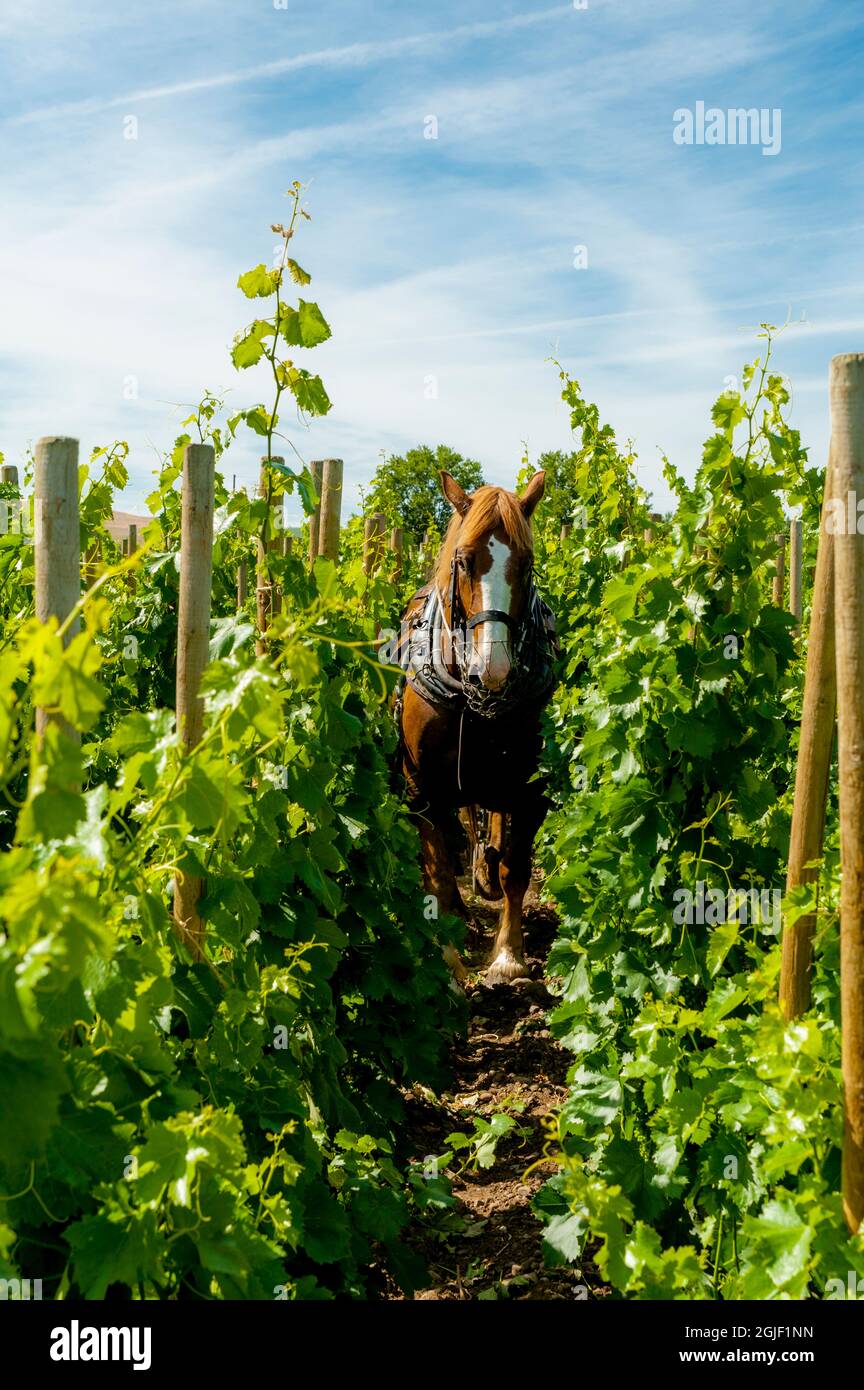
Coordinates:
x,y
490,508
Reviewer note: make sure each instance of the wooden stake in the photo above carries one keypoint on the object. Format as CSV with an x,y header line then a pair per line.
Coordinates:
x,y
11,509
316,468
242,583
814,763
780,571
423,555
129,547
566,530
331,508
193,643
847,427
796,570
374,529
268,599
57,545
397,545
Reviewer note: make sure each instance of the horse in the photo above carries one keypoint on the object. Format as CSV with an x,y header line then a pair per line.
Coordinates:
x,y
477,649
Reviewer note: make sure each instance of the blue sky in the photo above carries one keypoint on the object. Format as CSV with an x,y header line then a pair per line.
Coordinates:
x,y
450,258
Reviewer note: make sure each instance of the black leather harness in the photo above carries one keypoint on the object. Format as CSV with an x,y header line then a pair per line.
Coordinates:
x,y
428,648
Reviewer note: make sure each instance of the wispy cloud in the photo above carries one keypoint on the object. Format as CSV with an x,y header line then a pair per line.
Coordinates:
x,y
354,55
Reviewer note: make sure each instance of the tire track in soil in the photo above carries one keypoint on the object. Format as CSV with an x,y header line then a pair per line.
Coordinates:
x,y
508,1054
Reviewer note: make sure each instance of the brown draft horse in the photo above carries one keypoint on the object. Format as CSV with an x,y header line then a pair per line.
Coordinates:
x,y
477,648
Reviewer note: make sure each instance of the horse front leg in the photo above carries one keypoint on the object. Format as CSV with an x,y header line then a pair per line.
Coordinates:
x,y
440,883
508,959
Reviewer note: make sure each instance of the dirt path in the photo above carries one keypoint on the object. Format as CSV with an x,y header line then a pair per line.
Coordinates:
x,y
508,1064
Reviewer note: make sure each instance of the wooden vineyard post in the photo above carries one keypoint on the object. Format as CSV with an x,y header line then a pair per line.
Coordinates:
x,y
397,545
331,508
424,554
242,583
566,530
268,600
130,545
57,544
847,428
780,570
374,528
193,640
796,570
11,510
315,468
814,763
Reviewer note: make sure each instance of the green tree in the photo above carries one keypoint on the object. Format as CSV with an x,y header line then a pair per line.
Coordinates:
x,y
560,495
575,477
407,487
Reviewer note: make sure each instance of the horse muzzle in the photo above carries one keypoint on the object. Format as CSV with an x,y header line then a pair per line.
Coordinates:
x,y
491,659
492,670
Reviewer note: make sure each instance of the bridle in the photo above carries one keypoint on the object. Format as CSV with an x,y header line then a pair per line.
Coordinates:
x,y
429,650
477,697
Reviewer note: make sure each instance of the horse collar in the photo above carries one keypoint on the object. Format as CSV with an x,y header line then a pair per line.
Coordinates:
x,y
422,656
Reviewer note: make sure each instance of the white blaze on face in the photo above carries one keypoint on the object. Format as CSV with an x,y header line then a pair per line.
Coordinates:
x,y
492,639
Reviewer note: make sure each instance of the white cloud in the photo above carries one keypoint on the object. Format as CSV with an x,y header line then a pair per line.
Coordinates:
x,y
348,56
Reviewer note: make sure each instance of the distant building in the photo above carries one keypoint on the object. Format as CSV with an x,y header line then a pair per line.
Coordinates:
x,y
118,526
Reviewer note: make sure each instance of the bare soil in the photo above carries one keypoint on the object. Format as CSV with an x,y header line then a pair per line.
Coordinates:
x,y
508,1064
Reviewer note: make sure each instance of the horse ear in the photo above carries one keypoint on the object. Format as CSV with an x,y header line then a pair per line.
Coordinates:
x,y
533,492
456,496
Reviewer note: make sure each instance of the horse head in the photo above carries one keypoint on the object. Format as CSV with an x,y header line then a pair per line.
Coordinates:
x,y
484,575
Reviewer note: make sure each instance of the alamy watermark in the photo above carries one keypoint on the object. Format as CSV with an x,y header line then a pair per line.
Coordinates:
x,y
713,906
852,1291
844,516
77,1343
737,126
20,1290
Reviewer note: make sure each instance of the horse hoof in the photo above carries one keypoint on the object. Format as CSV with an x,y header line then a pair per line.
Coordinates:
x,y
484,889
505,969
487,882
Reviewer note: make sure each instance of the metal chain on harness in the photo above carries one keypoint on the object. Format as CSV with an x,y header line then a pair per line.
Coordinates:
x,y
529,646
421,655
